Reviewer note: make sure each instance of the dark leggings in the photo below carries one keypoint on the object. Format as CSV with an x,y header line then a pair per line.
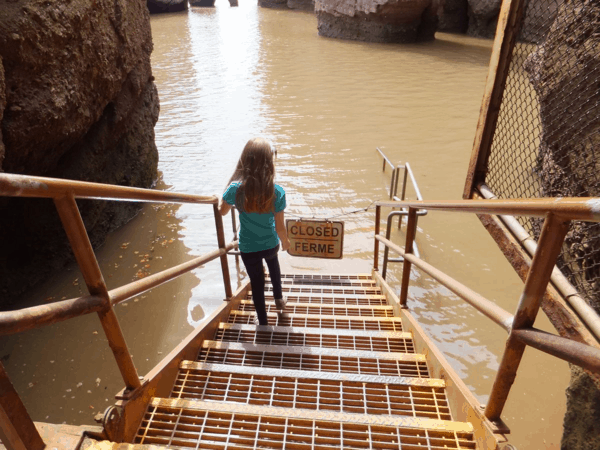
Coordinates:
x,y
254,268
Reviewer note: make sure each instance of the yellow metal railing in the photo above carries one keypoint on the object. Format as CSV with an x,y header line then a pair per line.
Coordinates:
x,y
558,214
17,430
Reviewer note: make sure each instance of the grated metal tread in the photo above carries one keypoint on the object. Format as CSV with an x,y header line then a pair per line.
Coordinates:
x,y
218,425
296,308
379,341
315,358
335,299
292,389
308,289
317,321
333,370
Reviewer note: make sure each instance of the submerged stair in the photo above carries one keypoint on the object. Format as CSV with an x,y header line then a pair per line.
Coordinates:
x,y
334,370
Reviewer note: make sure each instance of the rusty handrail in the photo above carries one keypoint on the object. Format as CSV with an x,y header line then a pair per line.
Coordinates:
x,y
569,208
41,187
558,213
64,194
482,304
25,319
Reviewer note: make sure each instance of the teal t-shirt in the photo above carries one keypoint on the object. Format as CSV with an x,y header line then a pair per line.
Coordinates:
x,y
257,231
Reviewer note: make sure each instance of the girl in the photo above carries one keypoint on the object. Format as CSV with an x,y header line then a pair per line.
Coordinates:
x,y
260,203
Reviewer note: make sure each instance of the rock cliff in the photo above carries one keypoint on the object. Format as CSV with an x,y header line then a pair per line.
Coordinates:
x,y
378,20
565,73
77,100
166,6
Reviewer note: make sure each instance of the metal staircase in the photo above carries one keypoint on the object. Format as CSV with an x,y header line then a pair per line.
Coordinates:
x,y
334,370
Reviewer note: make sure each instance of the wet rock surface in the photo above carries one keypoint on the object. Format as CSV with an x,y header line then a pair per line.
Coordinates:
x,y
275,4
166,6
392,21
483,17
453,16
565,71
77,101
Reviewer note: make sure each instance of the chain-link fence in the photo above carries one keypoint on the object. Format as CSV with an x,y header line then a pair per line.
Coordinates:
x,y
547,140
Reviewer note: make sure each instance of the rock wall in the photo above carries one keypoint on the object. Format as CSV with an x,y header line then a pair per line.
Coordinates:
x,y
454,16
391,21
479,18
77,100
166,6
565,73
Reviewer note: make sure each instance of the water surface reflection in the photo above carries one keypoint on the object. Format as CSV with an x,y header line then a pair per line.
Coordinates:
x,y
227,74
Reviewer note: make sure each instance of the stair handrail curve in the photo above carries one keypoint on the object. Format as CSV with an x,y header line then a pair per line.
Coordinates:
x,y
558,214
19,426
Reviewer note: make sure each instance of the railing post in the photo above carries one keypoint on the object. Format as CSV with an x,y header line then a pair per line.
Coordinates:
x,y
221,241
235,234
406,168
411,230
17,430
88,264
393,181
377,227
386,251
549,246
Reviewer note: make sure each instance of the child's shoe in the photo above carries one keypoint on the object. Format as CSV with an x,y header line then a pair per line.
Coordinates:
x,y
280,303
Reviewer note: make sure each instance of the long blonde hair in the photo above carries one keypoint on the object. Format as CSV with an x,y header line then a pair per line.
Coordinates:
x,y
255,171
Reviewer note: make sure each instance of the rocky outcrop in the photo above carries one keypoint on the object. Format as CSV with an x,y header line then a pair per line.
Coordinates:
x,y
453,16
390,21
166,6
483,17
301,5
78,101
562,71
275,4
565,71
479,18
582,419
204,3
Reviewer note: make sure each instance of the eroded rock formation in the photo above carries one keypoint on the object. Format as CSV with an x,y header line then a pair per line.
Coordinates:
x,y
483,17
77,100
378,20
565,73
453,16
166,6
275,4
302,5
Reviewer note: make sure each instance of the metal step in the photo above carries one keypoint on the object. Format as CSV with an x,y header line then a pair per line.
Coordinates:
x,y
341,290
190,424
379,341
315,358
284,388
318,321
333,299
334,370
324,310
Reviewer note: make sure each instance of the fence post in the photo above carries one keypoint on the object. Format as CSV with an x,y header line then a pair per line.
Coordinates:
x,y
411,230
88,264
548,249
221,241
377,226
393,181
17,430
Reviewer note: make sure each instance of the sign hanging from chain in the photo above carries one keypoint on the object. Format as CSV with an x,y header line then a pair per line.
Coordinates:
x,y
316,238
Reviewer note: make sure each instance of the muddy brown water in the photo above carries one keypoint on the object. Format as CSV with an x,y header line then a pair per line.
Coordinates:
x,y
227,74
